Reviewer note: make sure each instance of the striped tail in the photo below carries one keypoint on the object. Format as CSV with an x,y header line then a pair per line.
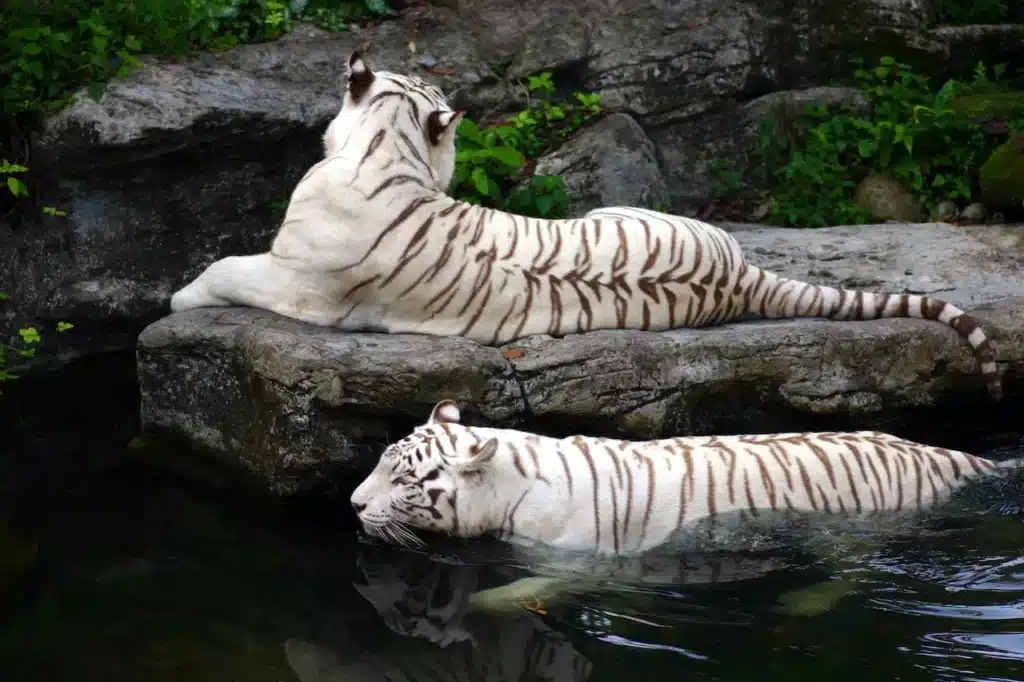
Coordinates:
x,y
1009,466
773,296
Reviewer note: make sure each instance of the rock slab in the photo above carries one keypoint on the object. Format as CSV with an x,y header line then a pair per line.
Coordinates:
x,y
306,408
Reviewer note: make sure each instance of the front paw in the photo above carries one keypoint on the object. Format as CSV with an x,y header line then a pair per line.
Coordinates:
x,y
191,297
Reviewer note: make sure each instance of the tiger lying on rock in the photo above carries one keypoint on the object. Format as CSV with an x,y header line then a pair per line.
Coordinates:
x,y
371,242
616,497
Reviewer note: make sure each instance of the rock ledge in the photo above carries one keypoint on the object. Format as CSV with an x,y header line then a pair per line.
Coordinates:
x,y
303,407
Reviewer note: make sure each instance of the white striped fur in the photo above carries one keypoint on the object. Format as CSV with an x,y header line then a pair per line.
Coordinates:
x,y
622,497
371,242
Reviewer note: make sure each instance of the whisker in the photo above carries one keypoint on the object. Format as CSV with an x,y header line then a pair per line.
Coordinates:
x,y
410,537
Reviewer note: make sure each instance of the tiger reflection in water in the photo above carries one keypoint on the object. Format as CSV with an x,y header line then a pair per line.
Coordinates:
x,y
477,621
425,600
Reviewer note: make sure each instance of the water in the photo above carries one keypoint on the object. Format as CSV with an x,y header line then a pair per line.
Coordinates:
x,y
141,564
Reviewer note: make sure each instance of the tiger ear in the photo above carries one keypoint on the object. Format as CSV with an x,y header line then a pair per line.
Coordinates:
x,y
441,123
445,412
360,76
479,455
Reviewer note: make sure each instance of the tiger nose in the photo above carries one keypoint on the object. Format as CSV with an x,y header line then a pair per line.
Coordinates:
x,y
358,506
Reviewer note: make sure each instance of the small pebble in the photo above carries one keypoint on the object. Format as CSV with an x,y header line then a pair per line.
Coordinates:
x,y
946,211
427,61
974,213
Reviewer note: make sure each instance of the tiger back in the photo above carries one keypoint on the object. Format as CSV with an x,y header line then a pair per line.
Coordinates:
x,y
621,497
371,242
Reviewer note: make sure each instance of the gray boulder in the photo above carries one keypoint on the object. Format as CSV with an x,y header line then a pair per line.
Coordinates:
x,y
611,163
305,408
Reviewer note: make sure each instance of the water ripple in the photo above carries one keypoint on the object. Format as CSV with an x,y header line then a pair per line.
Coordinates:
x,y
910,607
967,645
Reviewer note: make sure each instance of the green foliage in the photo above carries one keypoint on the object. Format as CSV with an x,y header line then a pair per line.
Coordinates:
x,y
15,184
339,15
24,346
492,162
972,11
17,187
913,134
727,183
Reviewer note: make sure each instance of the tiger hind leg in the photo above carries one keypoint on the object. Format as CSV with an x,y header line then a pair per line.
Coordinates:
x,y
530,593
258,281
837,553
817,599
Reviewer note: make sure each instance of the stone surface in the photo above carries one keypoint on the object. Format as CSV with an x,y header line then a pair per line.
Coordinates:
x,y
305,408
611,163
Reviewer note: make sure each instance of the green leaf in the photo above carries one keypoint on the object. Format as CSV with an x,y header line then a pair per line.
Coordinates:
x,y
470,130
380,7
480,180
4,295
29,335
132,43
8,167
544,204
16,186
506,133
64,326
506,155
461,175
493,190
96,90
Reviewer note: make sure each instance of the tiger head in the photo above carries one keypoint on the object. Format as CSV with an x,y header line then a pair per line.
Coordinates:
x,y
414,111
418,482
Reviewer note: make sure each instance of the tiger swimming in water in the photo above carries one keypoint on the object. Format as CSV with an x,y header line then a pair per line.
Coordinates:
x,y
616,497
371,242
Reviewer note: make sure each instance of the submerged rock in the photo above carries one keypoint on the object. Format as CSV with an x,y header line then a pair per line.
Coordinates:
x,y
304,408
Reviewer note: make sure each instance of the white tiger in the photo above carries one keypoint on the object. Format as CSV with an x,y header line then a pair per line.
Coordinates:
x,y
616,497
371,242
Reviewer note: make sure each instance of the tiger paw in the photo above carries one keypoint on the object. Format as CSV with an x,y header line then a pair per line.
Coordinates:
x,y
816,599
535,605
521,593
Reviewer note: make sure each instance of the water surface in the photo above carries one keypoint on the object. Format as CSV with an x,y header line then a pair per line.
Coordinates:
x,y
137,564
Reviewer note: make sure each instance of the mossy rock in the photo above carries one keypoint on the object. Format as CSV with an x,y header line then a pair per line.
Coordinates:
x,y
1002,105
885,199
1002,177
